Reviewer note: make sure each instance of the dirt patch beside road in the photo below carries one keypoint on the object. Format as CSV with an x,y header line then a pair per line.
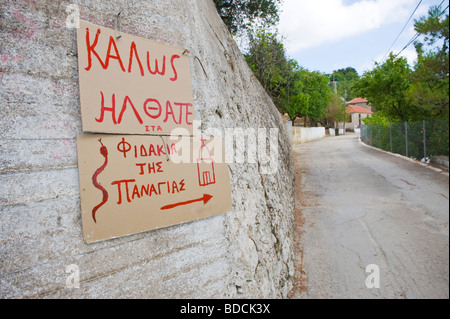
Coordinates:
x,y
300,283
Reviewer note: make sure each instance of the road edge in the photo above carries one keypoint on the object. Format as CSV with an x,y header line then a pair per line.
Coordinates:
x,y
434,168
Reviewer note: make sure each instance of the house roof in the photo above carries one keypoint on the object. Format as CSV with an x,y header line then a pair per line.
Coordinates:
x,y
358,100
353,109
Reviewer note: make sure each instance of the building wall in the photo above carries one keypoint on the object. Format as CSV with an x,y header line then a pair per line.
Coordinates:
x,y
246,253
355,117
355,121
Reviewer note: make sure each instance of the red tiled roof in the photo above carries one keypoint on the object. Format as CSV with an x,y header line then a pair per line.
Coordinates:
x,y
353,109
358,100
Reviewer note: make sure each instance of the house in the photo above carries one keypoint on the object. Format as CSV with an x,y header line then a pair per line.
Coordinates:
x,y
358,109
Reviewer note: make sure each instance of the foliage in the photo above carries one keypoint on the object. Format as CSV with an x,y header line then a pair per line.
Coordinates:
x,y
376,119
267,59
392,137
345,79
314,85
335,112
430,79
239,15
397,91
401,93
410,95
294,90
386,87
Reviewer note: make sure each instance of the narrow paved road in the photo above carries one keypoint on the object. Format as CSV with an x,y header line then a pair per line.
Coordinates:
x,y
358,206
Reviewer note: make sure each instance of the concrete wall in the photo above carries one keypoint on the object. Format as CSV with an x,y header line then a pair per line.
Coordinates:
x,y
307,134
245,253
288,125
440,160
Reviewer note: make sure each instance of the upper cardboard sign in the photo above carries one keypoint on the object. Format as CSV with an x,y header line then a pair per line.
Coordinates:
x,y
132,85
131,183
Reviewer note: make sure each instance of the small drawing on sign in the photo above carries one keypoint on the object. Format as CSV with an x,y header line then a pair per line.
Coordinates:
x,y
104,152
205,199
206,174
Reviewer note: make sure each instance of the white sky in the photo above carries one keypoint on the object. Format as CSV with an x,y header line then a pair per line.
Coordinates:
x,y
327,35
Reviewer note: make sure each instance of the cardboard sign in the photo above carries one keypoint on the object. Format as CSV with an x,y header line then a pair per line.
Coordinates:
x,y
131,85
131,184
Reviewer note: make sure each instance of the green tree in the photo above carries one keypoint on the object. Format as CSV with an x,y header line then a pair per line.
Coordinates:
x,y
296,102
430,79
316,86
386,87
309,95
239,15
335,112
268,61
345,79
400,93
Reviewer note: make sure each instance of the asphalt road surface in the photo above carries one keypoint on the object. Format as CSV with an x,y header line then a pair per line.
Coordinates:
x,y
358,206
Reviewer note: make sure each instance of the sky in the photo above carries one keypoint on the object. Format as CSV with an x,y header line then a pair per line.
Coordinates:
x,y
327,35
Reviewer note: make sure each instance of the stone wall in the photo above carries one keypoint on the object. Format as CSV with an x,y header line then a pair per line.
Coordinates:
x,y
246,253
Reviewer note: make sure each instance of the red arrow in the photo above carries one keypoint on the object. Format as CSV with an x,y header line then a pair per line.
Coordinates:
x,y
206,198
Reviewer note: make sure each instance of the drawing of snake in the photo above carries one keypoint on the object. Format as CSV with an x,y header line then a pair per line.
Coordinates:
x,y
104,152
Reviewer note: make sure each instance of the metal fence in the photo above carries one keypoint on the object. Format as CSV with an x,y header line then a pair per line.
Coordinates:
x,y
419,140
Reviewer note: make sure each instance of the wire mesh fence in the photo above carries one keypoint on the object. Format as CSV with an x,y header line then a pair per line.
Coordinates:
x,y
419,140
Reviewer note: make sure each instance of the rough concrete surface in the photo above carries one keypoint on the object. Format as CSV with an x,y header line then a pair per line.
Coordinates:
x,y
246,253
360,206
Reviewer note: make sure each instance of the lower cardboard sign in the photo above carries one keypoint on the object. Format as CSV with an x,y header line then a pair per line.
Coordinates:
x,y
132,184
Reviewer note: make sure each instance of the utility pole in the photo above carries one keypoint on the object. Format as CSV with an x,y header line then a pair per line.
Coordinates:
x,y
345,103
335,83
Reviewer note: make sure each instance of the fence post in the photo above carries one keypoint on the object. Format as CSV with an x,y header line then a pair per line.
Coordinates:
x,y
390,135
424,141
372,142
406,137
379,136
